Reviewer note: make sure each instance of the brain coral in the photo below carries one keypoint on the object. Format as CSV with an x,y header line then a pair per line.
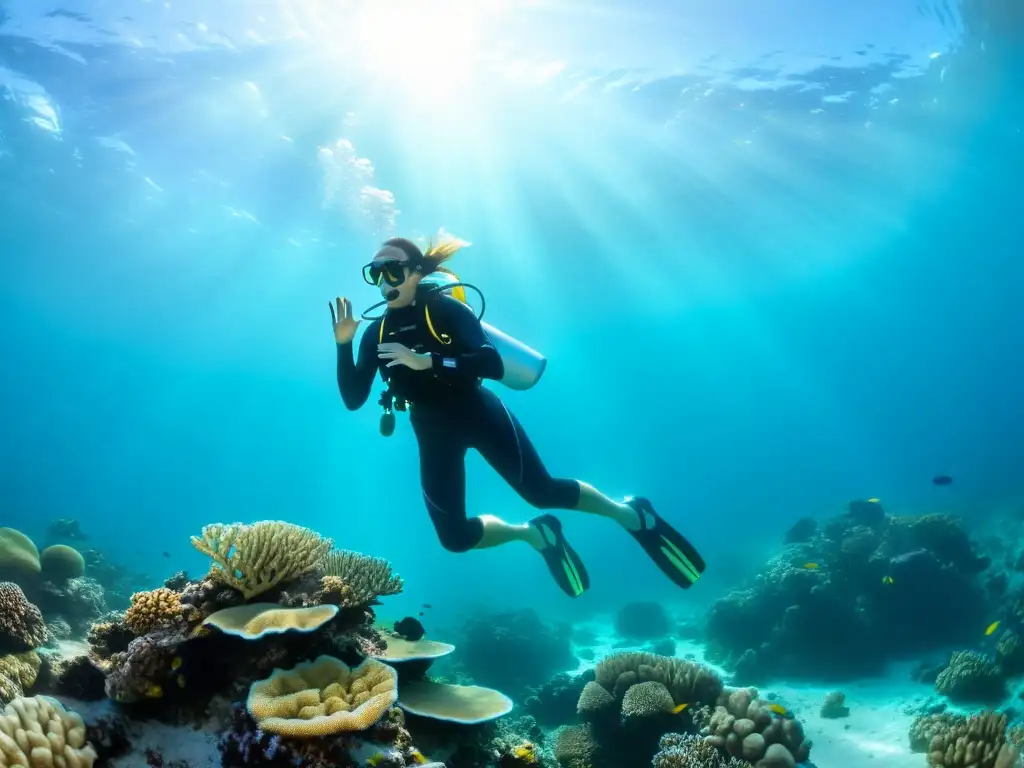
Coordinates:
x,y
21,624
17,551
61,563
323,697
646,700
686,681
38,732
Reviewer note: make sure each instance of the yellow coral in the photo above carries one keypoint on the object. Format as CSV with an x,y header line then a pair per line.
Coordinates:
x,y
18,552
525,752
157,609
364,578
255,558
39,733
323,697
18,672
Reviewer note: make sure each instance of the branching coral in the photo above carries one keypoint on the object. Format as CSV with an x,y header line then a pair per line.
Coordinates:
x,y
157,609
21,624
688,751
978,743
365,577
258,557
970,676
927,727
38,732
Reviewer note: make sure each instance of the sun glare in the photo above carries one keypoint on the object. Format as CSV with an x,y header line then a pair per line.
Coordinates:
x,y
428,48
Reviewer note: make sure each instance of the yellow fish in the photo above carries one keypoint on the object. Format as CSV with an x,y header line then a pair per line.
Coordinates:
x,y
779,710
811,566
181,681
176,663
887,579
873,501
991,628
679,708
418,757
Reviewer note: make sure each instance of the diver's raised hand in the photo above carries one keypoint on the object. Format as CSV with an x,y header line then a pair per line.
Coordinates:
x,y
343,320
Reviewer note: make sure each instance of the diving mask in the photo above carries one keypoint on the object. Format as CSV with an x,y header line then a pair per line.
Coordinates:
x,y
390,272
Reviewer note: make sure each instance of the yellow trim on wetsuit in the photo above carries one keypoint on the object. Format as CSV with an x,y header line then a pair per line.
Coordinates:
x,y
443,338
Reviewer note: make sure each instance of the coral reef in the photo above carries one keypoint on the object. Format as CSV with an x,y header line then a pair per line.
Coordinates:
x,y
39,732
513,650
642,620
676,750
816,608
554,702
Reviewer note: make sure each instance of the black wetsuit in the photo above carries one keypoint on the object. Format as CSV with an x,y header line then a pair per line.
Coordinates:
x,y
452,412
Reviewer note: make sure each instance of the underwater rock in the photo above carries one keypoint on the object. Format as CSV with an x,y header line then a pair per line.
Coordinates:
x,y
801,531
554,702
834,706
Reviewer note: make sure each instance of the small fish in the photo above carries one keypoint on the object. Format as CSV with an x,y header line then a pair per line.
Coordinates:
x,y
811,566
418,757
176,663
942,480
873,501
779,710
887,580
679,708
422,613
427,605
166,554
181,681
991,628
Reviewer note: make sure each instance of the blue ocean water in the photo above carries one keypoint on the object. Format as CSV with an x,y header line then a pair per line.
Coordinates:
x,y
771,252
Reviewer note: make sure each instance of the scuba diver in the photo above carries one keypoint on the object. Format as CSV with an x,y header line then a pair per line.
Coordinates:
x,y
432,351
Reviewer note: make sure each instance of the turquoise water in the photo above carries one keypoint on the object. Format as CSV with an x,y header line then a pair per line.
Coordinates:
x,y
771,254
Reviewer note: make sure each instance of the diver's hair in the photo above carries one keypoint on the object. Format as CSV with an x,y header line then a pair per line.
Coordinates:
x,y
434,255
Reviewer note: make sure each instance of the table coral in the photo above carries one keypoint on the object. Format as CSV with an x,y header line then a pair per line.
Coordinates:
x,y
53,736
21,624
258,557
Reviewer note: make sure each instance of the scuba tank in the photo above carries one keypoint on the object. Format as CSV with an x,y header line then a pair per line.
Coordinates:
x,y
523,365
